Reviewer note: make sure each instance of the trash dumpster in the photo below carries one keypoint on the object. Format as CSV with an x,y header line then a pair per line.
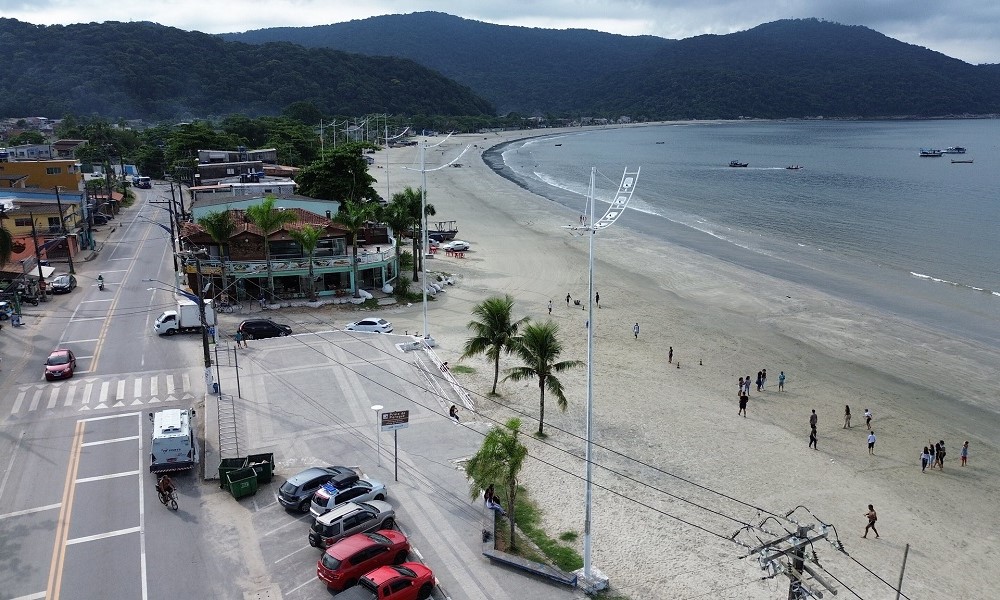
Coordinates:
x,y
227,466
263,466
242,482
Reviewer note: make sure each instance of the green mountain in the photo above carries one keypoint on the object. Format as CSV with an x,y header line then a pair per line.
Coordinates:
x,y
148,71
790,68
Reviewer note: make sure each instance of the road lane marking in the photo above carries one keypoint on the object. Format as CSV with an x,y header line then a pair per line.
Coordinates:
x,y
82,319
35,399
17,403
112,441
86,392
109,476
115,416
62,524
35,596
53,397
137,387
10,467
86,341
70,392
29,511
103,395
121,391
101,300
154,383
102,536
170,385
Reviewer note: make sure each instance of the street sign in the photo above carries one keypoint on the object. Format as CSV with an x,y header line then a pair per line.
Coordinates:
x,y
395,419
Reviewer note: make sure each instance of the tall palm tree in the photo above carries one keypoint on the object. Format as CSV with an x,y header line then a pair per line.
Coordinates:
x,y
494,333
6,240
220,226
409,200
308,236
353,216
498,463
268,219
394,215
539,348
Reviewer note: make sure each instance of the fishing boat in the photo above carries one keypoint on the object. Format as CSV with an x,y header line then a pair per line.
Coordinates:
x,y
929,152
442,231
954,150
956,161
736,163
794,167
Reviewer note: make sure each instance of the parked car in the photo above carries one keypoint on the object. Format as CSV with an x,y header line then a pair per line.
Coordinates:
x,y
346,561
330,495
455,246
258,329
297,491
348,519
100,219
372,324
62,284
60,364
408,581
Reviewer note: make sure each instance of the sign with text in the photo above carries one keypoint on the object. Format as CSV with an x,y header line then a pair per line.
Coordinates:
x,y
395,419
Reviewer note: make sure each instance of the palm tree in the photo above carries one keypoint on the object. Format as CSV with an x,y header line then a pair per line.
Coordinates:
x,y
539,348
409,200
498,463
308,236
268,220
354,216
494,332
394,215
220,227
6,239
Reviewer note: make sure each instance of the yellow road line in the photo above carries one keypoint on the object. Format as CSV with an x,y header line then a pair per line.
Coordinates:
x,y
62,527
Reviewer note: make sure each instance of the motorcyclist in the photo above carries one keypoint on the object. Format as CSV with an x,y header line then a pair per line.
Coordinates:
x,y
100,281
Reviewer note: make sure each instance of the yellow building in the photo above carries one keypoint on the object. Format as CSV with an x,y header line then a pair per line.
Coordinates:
x,y
46,174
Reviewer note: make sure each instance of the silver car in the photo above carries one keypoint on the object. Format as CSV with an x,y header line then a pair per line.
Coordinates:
x,y
348,519
372,324
329,496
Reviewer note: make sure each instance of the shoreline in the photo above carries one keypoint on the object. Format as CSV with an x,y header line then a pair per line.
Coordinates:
x,y
734,321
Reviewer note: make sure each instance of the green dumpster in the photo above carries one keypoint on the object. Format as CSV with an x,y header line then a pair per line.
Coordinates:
x,y
242,482
263,465
228,465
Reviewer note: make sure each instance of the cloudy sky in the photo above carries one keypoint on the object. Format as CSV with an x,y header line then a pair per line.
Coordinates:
x,y
964,29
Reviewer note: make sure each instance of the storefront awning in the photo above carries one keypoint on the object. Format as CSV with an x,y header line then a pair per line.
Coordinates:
x,y
46,272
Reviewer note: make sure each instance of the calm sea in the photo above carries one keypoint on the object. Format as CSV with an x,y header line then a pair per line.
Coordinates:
x,y
865,219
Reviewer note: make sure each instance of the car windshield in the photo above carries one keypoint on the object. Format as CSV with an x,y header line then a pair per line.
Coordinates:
x,y
288,487
61,280
378,538
58,359
408,572
330,562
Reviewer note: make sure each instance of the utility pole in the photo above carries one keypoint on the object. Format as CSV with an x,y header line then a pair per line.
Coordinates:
x,y
38,259
204,322
62,231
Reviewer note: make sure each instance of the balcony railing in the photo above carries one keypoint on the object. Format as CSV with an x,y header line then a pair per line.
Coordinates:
x,y
283,265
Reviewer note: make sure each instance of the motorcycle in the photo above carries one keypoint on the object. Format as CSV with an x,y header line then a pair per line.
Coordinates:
x,y
100,283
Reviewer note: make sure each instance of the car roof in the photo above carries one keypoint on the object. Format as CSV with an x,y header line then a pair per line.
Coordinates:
x,y
339,513
60,351
388,573
309,474
351,544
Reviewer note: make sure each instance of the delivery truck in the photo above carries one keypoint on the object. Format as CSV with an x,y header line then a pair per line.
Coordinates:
x,y
186,319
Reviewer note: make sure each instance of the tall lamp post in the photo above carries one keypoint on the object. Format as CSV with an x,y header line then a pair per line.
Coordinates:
x,y
595,582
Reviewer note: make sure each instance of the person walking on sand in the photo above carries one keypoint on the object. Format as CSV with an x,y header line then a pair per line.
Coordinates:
x,y
868,419
763,379
567,300
964,453
931,451
925,457
812,438
847,416
871,443
813,419
739,389
940,455
746,384
781,381
550,307
635,330
759,380
670,355
872,517
597,299
743,405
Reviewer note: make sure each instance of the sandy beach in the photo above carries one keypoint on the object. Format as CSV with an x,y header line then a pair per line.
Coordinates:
x,y
661,429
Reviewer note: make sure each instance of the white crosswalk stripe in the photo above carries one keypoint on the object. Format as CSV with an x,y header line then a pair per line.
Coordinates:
x,y
96,393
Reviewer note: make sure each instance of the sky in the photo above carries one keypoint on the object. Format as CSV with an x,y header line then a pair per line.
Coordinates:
x,y
963,29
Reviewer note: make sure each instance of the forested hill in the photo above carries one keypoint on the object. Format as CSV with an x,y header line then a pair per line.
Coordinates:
x,y
148,71
790,68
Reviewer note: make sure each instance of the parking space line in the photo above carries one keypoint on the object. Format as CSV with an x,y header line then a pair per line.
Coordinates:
x,y
293,553
29,511
280,527
109,476
298,587
101,536
117,416
121,439
35,596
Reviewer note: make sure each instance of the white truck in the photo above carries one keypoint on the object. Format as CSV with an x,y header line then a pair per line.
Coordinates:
x,y
185,319
172,445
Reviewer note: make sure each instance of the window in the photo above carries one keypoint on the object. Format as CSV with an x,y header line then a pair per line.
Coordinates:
x,y
22,222
53,222
53,170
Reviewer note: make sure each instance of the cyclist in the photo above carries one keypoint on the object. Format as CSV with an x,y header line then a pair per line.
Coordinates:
x,y
165,486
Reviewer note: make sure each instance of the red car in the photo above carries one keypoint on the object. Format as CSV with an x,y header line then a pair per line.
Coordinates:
x,y
408,581
350,558
60,364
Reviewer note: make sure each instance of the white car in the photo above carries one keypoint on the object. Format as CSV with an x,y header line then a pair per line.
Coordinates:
x,y
372,324
455,246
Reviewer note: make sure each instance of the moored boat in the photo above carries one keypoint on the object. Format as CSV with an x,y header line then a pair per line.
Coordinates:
x,y
794,167
930,152
736,163
967,161
954,150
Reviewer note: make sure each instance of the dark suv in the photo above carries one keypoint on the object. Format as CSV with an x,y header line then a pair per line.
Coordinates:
x,y
257,329
297,491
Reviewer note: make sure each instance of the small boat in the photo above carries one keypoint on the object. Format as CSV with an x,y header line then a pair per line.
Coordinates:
x,y
954,150
660,142
956,161
794,167
929,152
736,163
561,145
442,231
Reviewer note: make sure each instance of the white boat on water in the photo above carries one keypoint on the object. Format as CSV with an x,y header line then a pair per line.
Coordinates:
x,y
930,152
954,150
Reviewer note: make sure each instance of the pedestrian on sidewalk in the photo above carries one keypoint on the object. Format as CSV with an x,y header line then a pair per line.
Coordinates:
x,y
872,517
453,413
240,339
871,445
635,330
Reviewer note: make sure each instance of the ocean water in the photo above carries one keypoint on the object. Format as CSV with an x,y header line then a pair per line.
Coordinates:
x,y
866,219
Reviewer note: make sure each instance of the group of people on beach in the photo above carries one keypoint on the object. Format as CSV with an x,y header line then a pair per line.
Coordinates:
x,y
934,453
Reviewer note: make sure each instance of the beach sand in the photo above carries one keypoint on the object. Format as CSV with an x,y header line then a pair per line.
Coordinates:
x,y
659,429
